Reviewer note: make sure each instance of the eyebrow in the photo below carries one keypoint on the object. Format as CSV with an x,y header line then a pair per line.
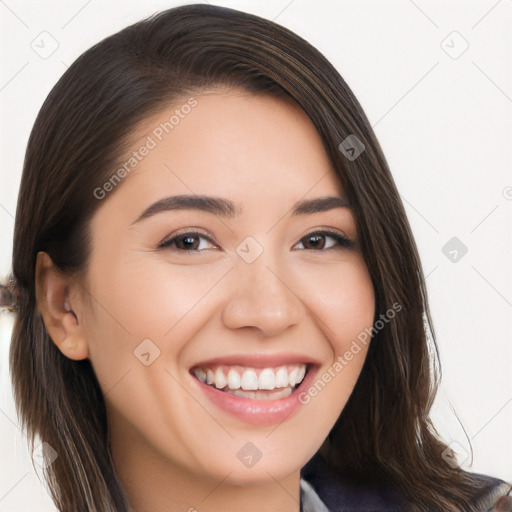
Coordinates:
x,y
226,208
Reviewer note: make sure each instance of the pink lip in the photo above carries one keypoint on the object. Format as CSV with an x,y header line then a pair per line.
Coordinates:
x,y
258,412
258,360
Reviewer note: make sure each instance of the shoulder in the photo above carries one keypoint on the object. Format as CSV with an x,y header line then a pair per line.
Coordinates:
x,y
489,491
321,487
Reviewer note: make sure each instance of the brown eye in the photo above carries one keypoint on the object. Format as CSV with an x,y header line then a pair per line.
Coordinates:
x,y
315,242
318,241
186,242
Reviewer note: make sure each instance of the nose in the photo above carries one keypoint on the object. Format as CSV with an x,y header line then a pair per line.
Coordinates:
x,y
262,298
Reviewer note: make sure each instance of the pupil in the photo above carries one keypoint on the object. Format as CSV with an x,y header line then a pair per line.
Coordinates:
x,y
315,244
188,241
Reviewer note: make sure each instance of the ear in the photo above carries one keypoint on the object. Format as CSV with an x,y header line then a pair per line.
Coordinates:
x,y
54,304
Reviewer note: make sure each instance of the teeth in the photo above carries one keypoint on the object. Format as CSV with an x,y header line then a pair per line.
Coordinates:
x,y
292,377
201,375
266,379
281,380
261,395
233,379
252,379
220,380
249,380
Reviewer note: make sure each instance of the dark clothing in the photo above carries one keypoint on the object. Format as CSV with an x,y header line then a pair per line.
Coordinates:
x,y
323,491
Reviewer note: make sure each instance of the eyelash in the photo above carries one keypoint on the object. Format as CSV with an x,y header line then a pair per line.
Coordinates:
x,y
342,241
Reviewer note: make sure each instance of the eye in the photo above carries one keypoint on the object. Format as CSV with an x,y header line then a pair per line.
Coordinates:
x,y
187,242
317,241
190,241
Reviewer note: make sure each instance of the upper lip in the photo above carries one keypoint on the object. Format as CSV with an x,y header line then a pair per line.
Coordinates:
x,y
258,360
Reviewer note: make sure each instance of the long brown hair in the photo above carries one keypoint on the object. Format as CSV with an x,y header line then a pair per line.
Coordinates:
x,y
384,432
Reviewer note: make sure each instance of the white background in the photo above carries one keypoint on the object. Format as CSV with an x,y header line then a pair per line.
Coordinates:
x,y
445,126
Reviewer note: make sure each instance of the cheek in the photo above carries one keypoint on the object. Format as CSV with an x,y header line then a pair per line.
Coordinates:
x,y
341,296
343,301
172,302
136,302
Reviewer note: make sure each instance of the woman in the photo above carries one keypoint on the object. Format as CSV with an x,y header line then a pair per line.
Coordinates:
x,y
220,305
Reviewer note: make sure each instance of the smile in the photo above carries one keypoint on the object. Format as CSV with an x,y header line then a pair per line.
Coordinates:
x,y
256,390
253,383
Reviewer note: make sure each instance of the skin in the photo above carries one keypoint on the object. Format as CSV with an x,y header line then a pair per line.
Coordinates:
x,y
173,449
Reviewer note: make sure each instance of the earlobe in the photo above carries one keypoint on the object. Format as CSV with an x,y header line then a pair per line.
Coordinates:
x,y
53,302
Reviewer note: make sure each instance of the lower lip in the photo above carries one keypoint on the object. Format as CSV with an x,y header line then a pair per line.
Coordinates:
x,y
258,412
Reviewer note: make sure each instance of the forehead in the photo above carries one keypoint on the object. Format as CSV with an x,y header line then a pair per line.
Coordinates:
x,y
229,143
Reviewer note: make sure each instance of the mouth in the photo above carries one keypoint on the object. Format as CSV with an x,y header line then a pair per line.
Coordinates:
x,y
270,383
259,390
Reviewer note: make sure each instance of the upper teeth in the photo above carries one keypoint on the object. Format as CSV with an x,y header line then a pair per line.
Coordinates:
x,y
236,377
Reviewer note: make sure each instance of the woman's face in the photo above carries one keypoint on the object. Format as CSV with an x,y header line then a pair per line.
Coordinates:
x,y
231,285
